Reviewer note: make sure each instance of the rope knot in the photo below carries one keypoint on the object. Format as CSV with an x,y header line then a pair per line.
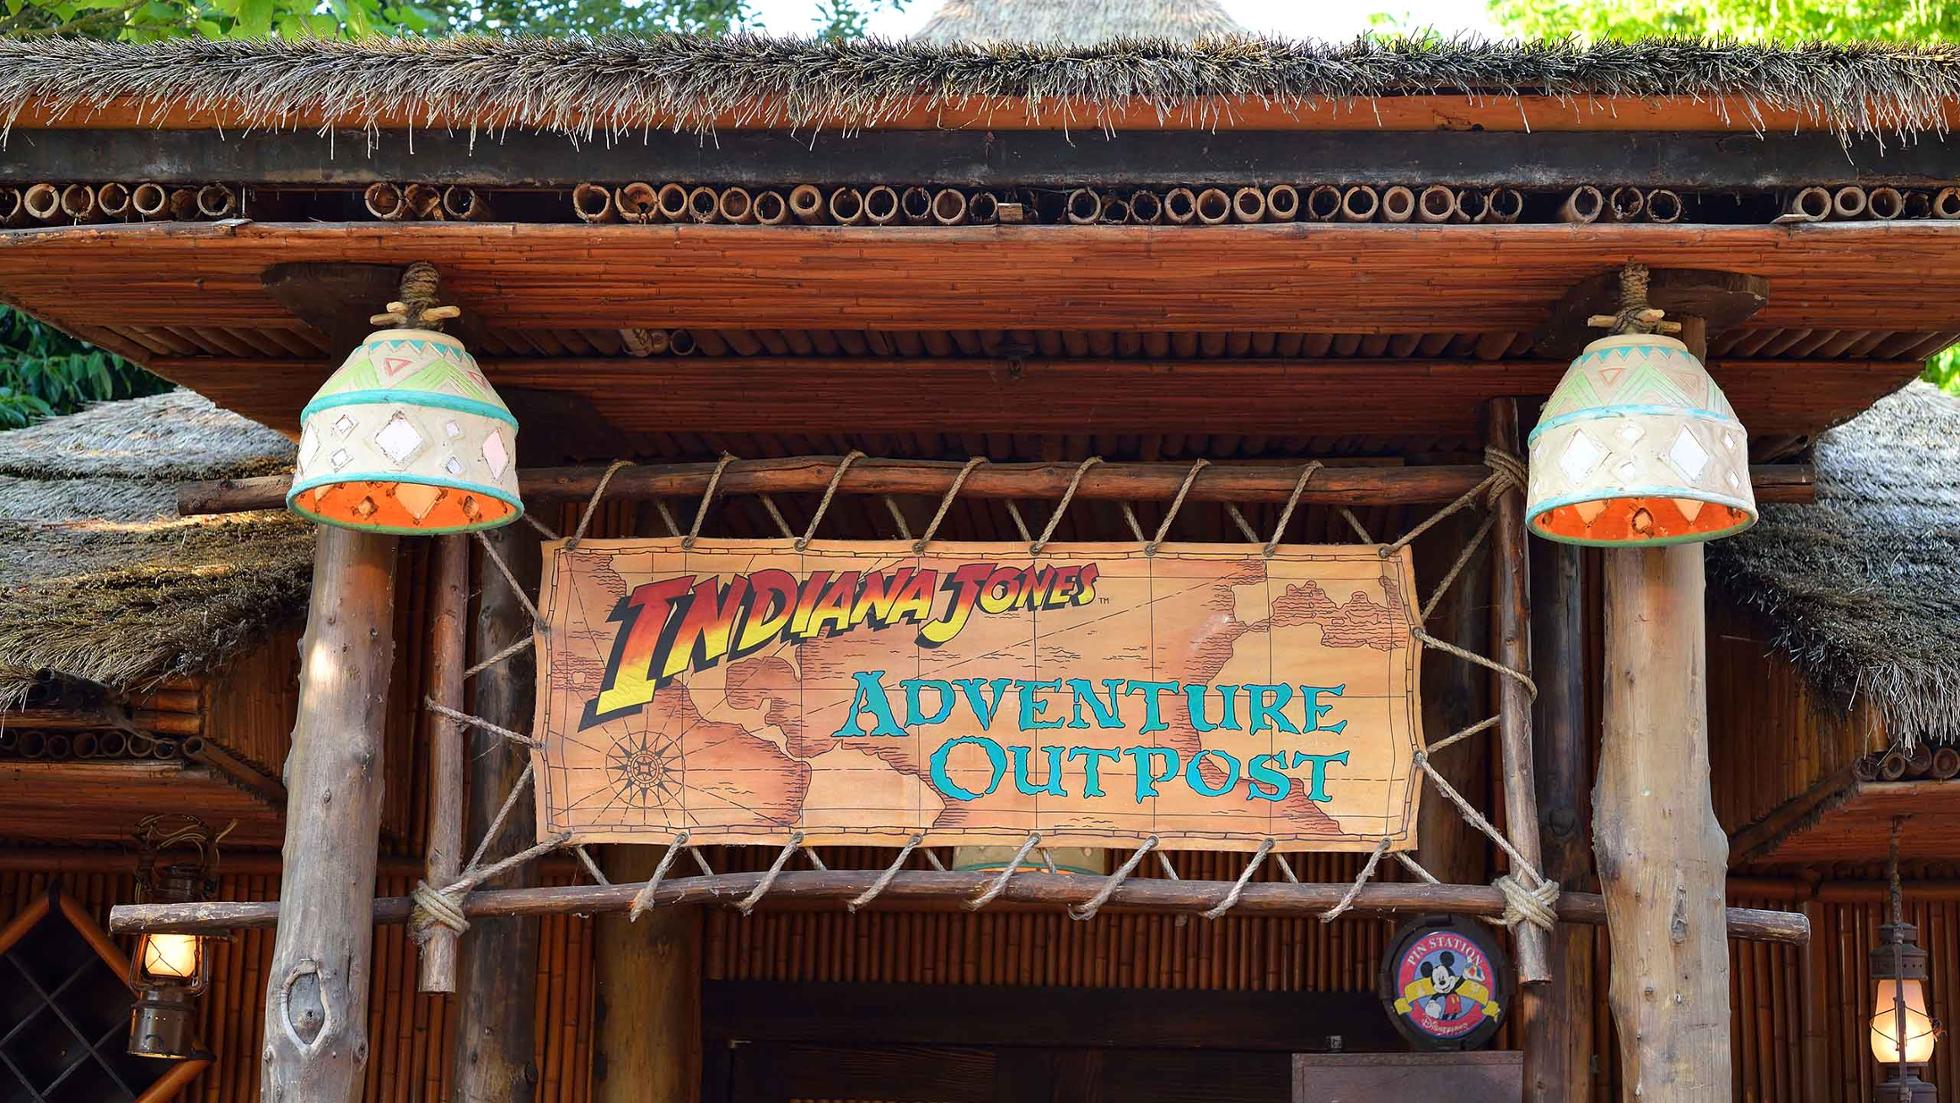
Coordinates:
x,y
1534,905
1507,472
417,308
434,907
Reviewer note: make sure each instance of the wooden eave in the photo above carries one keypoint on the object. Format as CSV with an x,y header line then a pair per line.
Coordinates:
x,y
1015,328
103,801
1847,820
1496,112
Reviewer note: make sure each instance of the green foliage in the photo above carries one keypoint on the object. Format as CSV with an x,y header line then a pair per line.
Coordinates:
x,y
44,372
1746,20
150,20
1909,21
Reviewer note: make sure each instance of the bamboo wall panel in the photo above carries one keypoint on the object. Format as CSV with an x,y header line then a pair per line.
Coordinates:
x,y
249,703
408,1033
1773,737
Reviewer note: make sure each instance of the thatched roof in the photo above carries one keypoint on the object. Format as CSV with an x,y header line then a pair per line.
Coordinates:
x,y
1864,586
1077,21
582,86
101,581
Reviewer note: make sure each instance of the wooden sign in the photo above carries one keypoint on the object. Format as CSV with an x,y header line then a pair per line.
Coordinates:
x,y
862,694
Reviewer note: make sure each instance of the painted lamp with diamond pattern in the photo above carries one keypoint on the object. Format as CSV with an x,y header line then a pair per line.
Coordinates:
x,y
1638,446
408,437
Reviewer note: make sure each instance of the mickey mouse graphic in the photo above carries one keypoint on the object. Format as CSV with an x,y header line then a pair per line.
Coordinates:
x,y
1444,1002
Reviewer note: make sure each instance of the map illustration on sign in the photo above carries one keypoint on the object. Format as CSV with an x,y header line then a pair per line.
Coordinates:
x,y
860,693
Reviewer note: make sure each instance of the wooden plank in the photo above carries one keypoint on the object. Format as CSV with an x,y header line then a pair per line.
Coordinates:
x,y
647,1001
1491,1076
1526,113
1220,482
1897,276
984,157
1425,399
316,1040
1012,1015
804,889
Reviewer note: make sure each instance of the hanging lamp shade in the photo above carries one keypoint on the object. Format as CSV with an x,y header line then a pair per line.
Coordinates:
x,y
408,437
1638,446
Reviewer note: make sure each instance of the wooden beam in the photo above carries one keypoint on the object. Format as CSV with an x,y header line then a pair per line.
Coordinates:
x,y
1219,482
497,971
448,656
1484,111
317,986
647,994
1722,300
805,888
984,157
1562,748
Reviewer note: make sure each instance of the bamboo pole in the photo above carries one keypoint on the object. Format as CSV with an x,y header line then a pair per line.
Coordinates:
x,y
1663,205
497,965
78,203
770,209
1582,206
949,206
637,201
384,201
1282,203
1219,482
1249,205
1082,207
112,199
1360,204
1214,207
1435,204
802,888
1398,204
672,201
449,654
1849,202
42,202
317,992
1323,203
217,201
1181,206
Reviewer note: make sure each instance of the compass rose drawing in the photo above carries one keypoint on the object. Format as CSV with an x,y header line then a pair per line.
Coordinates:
x,y
645,773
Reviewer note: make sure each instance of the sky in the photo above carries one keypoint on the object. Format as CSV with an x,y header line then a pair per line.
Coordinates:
x,y
1323,19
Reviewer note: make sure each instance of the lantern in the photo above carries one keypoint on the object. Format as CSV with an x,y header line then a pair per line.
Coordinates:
x,y
177,862
1638,446
1902,1029
408,437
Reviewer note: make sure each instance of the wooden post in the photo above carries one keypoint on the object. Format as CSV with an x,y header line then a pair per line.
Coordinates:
x,y
497,975
1454,697
316,1006
647,1000
1662,857
1511,647
449,647
1562,1069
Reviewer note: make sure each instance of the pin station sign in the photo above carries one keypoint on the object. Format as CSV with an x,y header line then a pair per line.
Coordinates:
x,y
860,693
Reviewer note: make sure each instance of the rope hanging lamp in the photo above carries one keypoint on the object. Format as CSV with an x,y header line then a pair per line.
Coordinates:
x,y
1638,445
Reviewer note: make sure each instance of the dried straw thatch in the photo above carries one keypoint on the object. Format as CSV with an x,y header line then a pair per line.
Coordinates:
x,y
101,581
1864,586
582,86
1076,21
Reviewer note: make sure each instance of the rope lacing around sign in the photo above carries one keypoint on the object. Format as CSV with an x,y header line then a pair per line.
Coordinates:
x,y
479,722
1177,503
490,552
1068,496
747,903
448,900
1528,895
1238,886
1354,890
666,516
707,498
1020,522
885,879
1088,909
503,813
591,867
1292,500
1463,558
1530,687
945,503
592,506
898,518
522,643
644,898
999,884
829,492
543,529
776,515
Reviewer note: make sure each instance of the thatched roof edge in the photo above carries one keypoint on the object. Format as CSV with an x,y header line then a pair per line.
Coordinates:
x,y
586,86
1864,586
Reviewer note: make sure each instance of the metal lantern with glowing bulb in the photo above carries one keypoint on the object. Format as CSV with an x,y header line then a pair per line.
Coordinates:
x,y
408,437
1638,445
176,863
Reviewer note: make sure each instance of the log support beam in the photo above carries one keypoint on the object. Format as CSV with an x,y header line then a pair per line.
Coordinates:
x,y
497,973
647,998
316,1005
1661,855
